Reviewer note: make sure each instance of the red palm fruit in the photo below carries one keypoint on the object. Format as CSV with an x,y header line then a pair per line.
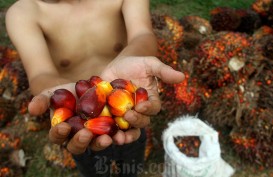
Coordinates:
x,y
81,87
91,103
106,112
106,86
141,94
76,123
63,98
122,123
94,80
61,115
102,125
120,101
123,84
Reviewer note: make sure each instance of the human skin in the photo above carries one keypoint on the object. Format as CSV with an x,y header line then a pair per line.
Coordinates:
x,y
63,41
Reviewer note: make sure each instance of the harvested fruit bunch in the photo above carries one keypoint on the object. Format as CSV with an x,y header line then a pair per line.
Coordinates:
x,y
98,105
58,156
188,145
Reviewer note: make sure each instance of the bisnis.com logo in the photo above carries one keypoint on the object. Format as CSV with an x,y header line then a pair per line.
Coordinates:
x,y
104,165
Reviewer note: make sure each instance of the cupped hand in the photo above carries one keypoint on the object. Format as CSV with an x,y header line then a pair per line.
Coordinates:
x,y
143,72
59,133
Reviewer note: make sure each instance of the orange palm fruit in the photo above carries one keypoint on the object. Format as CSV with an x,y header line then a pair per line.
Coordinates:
x,y
106,86
61,115
122,123
120,101
106,112
91,103
102,125
140,95
123,84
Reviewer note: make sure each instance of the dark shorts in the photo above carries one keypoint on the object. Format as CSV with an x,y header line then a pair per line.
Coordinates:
x,y
128,158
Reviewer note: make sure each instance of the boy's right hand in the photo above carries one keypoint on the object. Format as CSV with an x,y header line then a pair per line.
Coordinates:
x,y
59,133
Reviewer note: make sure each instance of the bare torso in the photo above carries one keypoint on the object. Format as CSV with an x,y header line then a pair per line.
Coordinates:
x,y
83,36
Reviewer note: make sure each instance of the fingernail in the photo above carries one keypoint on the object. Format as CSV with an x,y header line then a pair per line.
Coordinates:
x,y
33,99
84,138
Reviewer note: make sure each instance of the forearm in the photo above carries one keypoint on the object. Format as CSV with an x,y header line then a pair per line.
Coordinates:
x,y
143,45
45,81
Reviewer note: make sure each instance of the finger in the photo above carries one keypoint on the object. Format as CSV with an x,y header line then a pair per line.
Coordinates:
x,y
59,133
80,141
150,107
101,142
38,105
119,138
132,135
166,73
136,119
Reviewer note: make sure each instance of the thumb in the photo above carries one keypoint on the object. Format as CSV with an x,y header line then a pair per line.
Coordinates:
x,y
38,105
165,72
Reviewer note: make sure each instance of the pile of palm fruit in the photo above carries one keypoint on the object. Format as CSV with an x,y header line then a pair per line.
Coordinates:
x,y
228,64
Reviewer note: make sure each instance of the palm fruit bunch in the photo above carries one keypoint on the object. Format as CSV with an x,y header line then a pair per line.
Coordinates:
x,y
7,55
264,80
188,92
168,28
13,79
22,100
8,142
59,156
175,28
169,34
261,35
262,41
237,20
9,170
181,98
267,47
225,58
195,23
224,19
253,141
226,105
5,171
98,105
9,165
6,111
250,21
9,145
265,9
195,28
262,32
213,111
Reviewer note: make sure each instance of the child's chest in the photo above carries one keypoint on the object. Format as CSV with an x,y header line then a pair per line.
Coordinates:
x,y
84,31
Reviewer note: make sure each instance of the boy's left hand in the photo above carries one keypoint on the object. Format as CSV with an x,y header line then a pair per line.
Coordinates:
x,y
143,72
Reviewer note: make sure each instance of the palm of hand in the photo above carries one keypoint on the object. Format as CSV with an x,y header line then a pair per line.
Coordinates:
x,y
136,69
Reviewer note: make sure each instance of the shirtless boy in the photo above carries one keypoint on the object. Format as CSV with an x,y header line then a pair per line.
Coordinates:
x,y
62,41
